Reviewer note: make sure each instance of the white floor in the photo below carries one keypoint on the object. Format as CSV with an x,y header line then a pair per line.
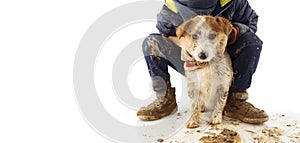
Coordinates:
x,y
281,128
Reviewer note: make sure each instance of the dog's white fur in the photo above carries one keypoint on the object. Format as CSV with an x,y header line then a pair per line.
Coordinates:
x,y
211,76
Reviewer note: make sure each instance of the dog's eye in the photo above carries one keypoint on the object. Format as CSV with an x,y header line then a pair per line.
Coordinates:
x,y
212,36
195,36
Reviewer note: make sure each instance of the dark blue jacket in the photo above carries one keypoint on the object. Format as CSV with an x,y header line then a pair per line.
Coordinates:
x,y
239,12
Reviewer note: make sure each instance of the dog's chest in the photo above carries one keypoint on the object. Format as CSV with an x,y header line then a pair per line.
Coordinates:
x,y
202,74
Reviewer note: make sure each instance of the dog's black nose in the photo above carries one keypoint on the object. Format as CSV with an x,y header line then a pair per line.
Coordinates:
x,y
202,56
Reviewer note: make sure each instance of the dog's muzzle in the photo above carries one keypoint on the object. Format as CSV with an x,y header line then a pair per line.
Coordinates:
x,y
202,56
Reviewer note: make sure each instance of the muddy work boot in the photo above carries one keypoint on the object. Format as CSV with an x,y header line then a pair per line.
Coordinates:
x,y
237,108
163,106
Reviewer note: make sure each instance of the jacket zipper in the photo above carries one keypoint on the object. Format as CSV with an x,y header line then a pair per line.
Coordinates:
x,y
224,9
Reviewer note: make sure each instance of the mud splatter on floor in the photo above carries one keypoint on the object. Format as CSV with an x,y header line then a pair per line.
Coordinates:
x,y
269,134
281,128
226,136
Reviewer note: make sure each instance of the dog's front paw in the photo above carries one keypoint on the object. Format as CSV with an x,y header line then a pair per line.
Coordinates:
x,y
217,119
194,121
192,124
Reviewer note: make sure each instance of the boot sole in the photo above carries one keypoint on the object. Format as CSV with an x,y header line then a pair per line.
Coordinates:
x,y
255,121
247,120
153,118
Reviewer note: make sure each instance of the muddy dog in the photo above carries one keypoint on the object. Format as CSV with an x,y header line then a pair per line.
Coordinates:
x,y
207,65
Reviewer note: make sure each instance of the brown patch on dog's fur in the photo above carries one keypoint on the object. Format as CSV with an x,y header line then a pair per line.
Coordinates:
x,y
219,24
181,30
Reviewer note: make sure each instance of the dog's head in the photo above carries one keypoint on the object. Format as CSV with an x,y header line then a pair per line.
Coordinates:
x,y
204,38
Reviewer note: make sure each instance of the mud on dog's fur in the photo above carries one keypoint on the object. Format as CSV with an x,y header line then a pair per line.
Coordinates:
x,y
207,65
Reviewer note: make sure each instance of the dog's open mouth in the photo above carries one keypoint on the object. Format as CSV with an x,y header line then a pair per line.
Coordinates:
x,y
194,63
190,63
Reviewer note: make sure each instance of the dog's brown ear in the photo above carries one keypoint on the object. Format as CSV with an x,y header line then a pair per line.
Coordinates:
x,y
183,28
225,25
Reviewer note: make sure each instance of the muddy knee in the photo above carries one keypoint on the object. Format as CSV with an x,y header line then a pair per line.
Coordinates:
x,y
151,45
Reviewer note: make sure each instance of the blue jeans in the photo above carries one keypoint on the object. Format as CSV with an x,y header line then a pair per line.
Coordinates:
x,y
160,52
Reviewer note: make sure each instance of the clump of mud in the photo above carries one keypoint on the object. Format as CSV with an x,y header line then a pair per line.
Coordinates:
x,y
226,136
270,134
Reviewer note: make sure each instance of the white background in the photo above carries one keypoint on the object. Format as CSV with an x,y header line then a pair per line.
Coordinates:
x,y
38,41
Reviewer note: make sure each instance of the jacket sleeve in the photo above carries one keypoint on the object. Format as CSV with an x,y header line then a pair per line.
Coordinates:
x,y
165,24
245,18
165,28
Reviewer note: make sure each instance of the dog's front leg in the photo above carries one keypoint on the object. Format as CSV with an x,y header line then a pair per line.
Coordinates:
x,y
194,120
222,94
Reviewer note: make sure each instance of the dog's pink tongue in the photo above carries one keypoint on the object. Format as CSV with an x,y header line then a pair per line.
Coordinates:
x,y
189,64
